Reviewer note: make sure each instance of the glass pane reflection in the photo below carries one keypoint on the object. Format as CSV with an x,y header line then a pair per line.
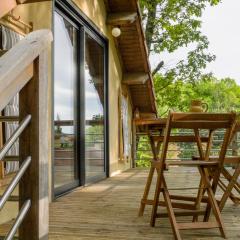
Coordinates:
x,y
65,170
94,105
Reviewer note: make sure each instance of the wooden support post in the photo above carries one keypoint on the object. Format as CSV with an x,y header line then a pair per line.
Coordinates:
x,y
34,142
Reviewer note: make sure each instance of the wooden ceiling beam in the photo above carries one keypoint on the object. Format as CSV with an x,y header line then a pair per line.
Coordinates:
x,y
135,78
121,18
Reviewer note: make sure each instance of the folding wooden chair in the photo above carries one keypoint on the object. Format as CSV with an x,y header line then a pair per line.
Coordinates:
x,y
195,121
231,182
232,179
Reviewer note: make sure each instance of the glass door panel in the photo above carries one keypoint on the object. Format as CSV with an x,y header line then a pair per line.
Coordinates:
x,y
66,174
94,107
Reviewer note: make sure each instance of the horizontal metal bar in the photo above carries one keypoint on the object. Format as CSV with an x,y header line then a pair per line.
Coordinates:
x,y
15,136
15,181
9,118
12,198
23,212
11,159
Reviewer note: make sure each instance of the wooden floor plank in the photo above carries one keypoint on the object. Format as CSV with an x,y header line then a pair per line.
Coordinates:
x,y
109,210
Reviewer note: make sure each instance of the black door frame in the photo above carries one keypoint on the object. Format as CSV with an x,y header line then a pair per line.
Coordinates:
x,y
67,9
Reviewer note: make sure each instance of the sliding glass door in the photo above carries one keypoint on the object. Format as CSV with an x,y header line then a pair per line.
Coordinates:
x,y
80,103
66,174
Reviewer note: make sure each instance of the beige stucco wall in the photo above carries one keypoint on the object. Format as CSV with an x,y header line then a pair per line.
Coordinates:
x,y
40,14
96,11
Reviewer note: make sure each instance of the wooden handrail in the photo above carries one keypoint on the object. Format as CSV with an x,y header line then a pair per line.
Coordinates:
x,y
16,66
24,71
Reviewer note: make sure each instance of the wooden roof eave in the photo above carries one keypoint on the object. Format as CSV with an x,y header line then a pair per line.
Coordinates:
x,y
152,91
133,16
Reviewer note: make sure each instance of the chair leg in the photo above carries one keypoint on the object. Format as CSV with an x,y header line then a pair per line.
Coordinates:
x,y
146,191
200,195
215,177
229,188
213,202
228,176
156,198
231,196
171,214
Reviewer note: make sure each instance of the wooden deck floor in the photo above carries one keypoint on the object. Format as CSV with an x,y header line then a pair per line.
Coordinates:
x,y
108,210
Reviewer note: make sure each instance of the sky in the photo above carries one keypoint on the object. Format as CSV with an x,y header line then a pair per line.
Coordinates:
x,y
221,24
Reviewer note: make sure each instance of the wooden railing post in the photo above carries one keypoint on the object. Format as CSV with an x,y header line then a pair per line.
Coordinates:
x,y
33,100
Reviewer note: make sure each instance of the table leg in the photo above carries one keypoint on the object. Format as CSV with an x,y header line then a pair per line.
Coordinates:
x,y
146,191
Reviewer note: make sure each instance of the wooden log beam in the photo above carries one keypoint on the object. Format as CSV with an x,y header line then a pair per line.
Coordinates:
x,y
123,18
6,6
135,78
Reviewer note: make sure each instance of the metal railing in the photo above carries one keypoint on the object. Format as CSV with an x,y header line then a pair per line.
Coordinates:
x,y
15,181
181,151
22,213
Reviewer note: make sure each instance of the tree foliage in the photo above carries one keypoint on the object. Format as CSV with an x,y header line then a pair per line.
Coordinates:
x,y
221,95
172,24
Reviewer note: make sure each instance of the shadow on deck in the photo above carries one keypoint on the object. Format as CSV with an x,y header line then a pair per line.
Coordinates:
x,y
109,210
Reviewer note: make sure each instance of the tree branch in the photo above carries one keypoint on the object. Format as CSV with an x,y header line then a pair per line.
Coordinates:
x,y
163,114
165,86
157,68
150,26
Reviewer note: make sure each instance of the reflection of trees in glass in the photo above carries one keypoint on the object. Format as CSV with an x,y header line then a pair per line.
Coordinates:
x,y
58,129
62,140
95,131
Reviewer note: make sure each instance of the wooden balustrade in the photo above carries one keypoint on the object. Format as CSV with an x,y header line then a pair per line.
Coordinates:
x,y
24,70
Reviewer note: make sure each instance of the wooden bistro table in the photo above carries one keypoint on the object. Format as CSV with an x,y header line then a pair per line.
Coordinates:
x,y
154,129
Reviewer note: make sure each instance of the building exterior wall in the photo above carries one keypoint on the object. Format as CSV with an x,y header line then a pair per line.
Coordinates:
x,y
40,15
95,10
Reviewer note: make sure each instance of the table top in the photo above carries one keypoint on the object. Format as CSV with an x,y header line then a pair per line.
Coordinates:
x,y
156,124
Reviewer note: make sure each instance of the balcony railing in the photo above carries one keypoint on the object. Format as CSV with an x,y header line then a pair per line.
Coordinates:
x,y
182,151
23,71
